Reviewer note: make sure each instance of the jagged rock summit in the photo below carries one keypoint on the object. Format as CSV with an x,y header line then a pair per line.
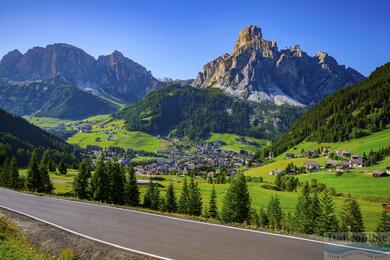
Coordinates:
x,y
258,71
111,75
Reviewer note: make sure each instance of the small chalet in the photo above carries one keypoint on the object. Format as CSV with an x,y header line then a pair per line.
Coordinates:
x,y
388,170
289,156
379,173
311,165
386,207
275,172
332,164
356,161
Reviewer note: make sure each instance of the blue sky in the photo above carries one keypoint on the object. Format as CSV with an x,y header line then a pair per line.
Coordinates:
x,y
176,38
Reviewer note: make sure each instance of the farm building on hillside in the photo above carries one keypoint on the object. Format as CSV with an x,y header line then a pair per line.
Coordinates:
x,y
379,173
275,172
289,155
356,161
388,170
311,165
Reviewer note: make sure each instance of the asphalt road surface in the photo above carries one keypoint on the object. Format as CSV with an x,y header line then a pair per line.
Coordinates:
x,y
160,236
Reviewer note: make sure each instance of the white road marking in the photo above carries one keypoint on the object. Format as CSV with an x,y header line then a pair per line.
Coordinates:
x,y
205,223
88,237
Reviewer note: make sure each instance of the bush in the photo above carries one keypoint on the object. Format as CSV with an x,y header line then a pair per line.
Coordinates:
x,y
270,187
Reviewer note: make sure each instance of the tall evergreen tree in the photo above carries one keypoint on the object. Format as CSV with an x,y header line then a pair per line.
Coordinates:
x,y
184,197
100,188
81,181
302,215
236,203
315,212
62,168
14,174
152,196
34,181
382,236
263,218
278,181
213,210
352,220
46,186
117,183
194,199
328,222
5,172
132,188
170,199
274,213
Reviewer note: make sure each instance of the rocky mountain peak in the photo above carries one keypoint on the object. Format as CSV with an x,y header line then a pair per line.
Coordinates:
x,y
249,35
256,70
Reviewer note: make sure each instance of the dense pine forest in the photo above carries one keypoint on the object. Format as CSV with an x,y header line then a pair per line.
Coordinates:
x,y
352,112
191,112
18,138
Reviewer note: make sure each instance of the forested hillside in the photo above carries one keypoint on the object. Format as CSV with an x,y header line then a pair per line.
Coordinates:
x,y
51,99
186,111
352,112
18,138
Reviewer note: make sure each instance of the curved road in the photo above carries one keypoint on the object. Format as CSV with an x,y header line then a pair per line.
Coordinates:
x,y
159,236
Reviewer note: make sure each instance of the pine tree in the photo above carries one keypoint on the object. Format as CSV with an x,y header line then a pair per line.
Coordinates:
x,y
34,181
382,236
278,181
352,220
302,216
236,204
46,186
14,174
100,188
81,181
194,199
52,166
213,210
183,201
117,183
170,199
263,218
328,222
45,158
5,174
274,213
152,196
315,212
132,188
62,168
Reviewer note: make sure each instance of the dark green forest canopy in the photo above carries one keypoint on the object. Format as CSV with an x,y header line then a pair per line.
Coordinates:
x,y
194,113
351,112
19,138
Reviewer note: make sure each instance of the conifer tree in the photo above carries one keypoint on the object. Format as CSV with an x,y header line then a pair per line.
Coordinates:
x,y
117,183
213,210
100,188
315,212
81,181
352,220
183,201
302,215
34,180
236,203
132,188
328,222
263,218
14,174
152,196
194,199
170,199
278,181
274,213
5,174
46,186
382,236
62,168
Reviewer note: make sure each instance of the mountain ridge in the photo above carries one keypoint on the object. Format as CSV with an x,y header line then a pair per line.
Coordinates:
x,y
257,70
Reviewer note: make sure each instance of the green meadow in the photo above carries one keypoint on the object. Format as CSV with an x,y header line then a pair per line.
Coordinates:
x,y
231,142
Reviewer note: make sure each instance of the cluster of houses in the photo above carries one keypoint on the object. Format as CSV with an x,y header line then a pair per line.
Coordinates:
x,y
205,156
350,162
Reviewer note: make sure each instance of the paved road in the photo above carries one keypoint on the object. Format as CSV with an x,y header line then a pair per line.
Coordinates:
x,y
161,236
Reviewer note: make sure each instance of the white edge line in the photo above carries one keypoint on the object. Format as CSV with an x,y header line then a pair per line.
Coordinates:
x,y
88,237
204,223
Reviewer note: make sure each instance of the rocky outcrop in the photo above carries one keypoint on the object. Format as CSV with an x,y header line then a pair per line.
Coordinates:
x,y
257,70
113,75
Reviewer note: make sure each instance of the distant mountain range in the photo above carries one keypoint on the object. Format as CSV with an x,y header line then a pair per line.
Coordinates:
x,y
64,81
257,70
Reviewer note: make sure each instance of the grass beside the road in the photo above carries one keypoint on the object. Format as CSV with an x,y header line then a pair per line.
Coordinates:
x,y
14,244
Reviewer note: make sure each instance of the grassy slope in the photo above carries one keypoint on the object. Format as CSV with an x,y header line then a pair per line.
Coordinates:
x,y
120,137
232,142
364,144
